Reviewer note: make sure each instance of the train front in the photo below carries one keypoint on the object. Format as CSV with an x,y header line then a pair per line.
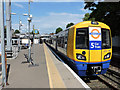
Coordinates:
x,y
93,48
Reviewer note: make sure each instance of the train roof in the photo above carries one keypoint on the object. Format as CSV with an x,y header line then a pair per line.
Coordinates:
x,y
89,23
62,33
83,24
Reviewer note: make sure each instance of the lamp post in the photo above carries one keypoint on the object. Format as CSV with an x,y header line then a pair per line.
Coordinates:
x,y
2,42
29,21
8,25
13,13
8,19
20,24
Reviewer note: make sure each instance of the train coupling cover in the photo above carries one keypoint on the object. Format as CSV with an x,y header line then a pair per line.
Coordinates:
x,y
96,69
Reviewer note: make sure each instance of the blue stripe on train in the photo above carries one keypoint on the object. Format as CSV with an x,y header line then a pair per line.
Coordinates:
x,y
81,67
77,62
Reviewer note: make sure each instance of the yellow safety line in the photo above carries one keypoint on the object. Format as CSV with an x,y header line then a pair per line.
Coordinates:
x,y
55,79
50,80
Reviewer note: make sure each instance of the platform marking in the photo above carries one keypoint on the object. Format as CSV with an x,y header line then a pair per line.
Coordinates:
x,y
55,79
50,80
74,74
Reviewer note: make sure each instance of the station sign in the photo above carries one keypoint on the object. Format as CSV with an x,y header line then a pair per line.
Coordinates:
x,y
95,38
35,31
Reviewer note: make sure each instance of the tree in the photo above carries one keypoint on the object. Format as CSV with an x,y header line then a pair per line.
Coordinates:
x,y
69,25
87,17
38,32
31,32
106,12
58,30
17,31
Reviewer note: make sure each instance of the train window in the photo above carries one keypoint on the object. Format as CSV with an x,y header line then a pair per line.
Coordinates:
x,y
82,41
65,39
106,42
15,41
63,44
59,42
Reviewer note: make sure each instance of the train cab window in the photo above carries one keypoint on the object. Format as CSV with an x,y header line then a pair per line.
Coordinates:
x,y
82,38
106,42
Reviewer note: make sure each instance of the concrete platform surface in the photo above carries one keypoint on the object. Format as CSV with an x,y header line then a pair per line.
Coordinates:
x,y
49,72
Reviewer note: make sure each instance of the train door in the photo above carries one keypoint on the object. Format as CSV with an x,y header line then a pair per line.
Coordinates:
x,y
95,44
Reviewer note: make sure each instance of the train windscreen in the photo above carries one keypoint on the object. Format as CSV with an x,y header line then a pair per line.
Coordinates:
x,y
106,41
82,41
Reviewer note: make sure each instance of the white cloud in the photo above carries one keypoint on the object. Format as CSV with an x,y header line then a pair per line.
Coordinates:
x,y
65,0
85,10
64,14
23,28
82,9
18,5
48,0
49,23
15,26
59,0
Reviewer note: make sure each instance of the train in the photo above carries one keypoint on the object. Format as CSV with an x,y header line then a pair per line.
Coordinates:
x,y
87,47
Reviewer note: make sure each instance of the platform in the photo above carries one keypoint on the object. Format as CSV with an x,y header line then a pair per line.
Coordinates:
x,y
49,72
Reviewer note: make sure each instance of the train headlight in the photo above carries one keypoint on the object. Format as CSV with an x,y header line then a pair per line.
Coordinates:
x,y
80,57
107,56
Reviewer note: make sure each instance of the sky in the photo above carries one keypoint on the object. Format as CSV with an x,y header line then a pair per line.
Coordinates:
x,y
47,16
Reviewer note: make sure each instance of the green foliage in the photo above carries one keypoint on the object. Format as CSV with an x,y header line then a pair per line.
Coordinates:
x,y
69,25
58,30
87,17
106,12
17,31
31,32
38,32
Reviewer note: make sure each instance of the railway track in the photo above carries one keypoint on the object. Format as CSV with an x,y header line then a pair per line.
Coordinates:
x,y
112,78
95,82
108,80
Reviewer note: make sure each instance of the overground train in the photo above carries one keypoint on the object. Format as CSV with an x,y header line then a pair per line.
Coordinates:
x,y
87,47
